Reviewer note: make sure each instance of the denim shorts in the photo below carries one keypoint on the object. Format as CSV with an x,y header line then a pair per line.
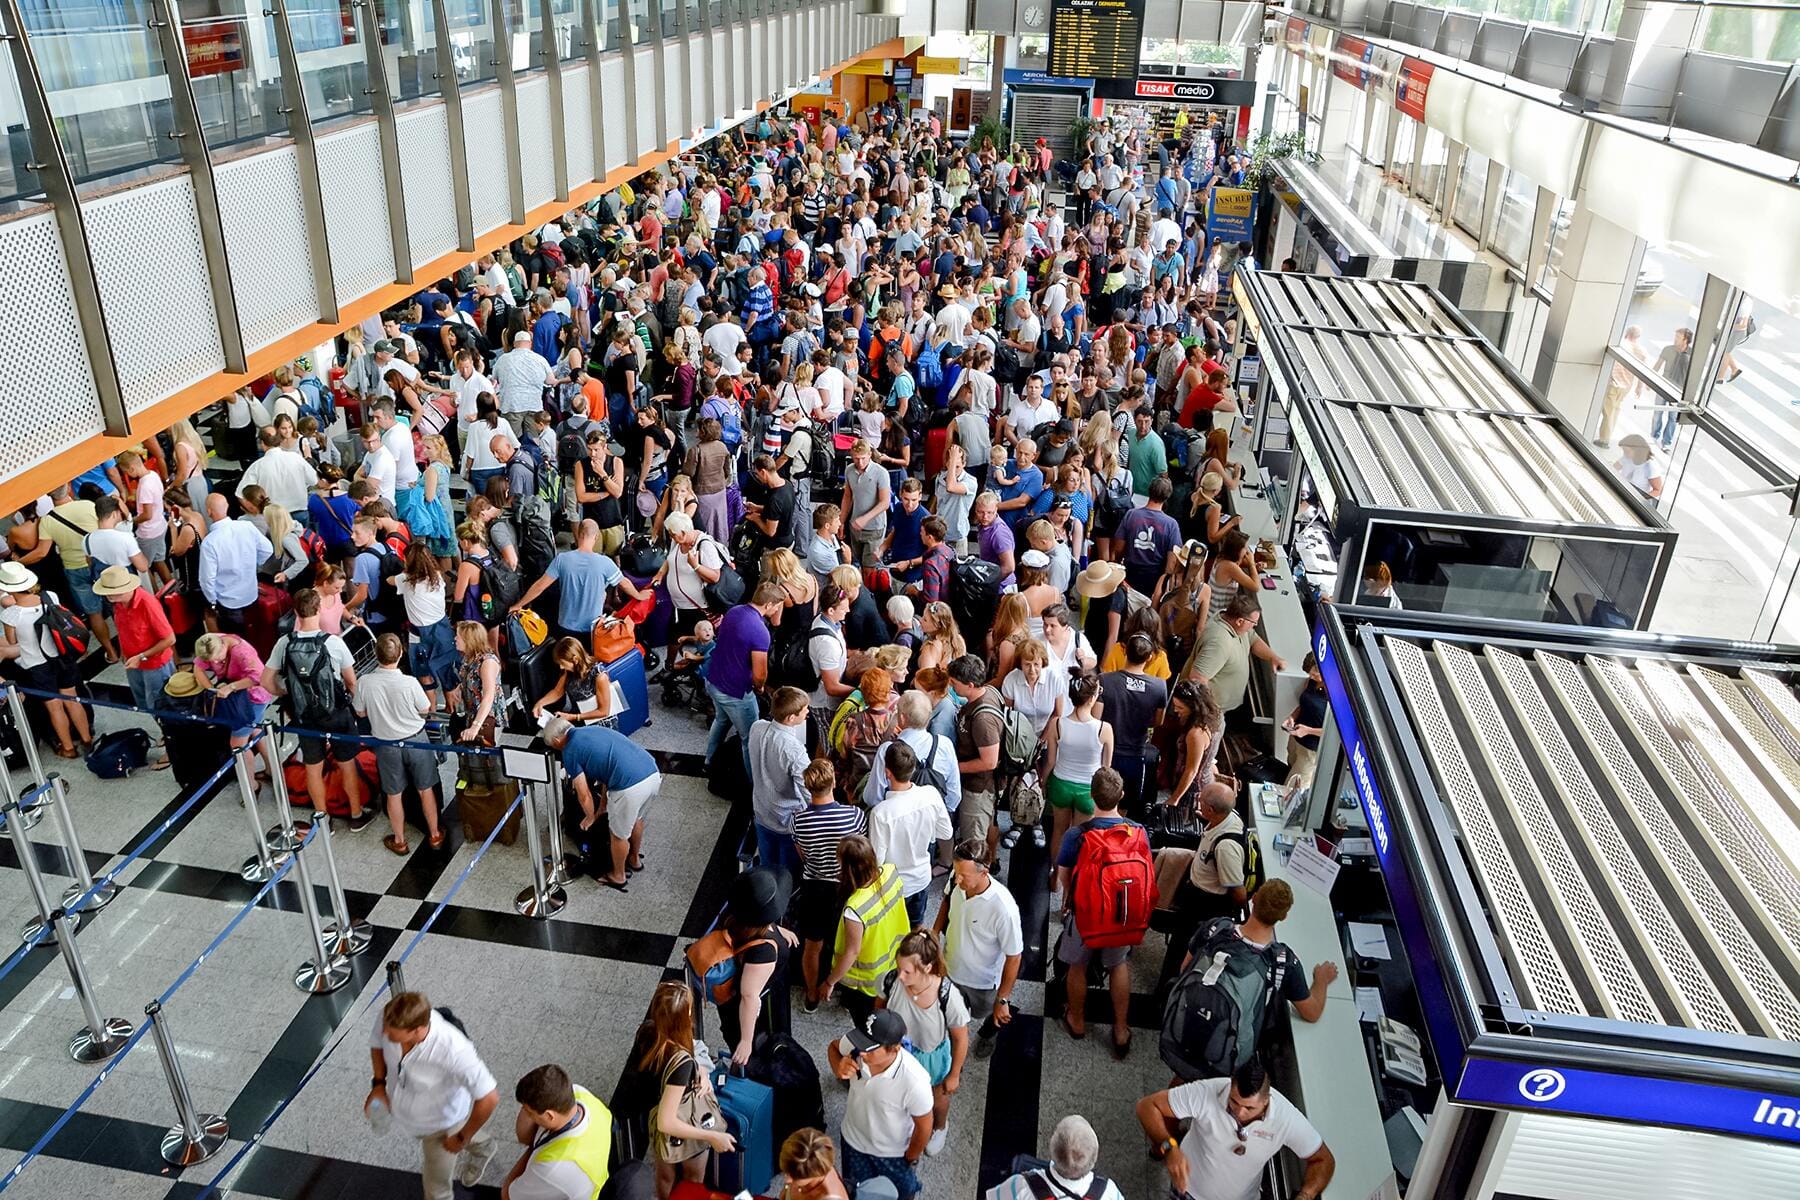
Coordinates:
x,y
81,599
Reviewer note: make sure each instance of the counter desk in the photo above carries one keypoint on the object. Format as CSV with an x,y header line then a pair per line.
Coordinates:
x,y
1283,625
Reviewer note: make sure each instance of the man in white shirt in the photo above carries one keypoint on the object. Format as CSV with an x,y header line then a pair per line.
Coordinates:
x,y
521,374
1164,230
285,476
985,941
1236,1126
435,1088
398,440
229,555
887,1115
567,1132
378,465
904,827
953,319
723,339
1074,1152
466,385
832,384
1030,410
112,543
936,755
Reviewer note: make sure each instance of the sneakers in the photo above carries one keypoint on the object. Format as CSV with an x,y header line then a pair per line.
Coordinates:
x,y
935,1146
984,1044
357,824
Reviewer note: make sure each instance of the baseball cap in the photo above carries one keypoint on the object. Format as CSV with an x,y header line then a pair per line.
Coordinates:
x,y
880,1028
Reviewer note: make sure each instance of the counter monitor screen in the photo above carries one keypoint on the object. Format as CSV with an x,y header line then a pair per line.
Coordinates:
x,y
1096,39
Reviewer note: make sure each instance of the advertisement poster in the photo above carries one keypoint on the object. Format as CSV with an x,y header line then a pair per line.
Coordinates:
x,y
1384,72
213,47
1230,214
1347,61
1409,93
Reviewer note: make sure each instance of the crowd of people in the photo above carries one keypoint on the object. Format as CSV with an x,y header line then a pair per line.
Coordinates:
x,y
908,461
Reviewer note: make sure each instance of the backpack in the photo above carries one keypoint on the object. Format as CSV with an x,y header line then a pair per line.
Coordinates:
x,y
1256,871
571,447
60,632
793,665
387,604
838,730
714,962
500,587
928,368
119,753
1115,886
315,692
925,775
944,987
1115,501
537,545
1217,1010
1008,367
731,421
554,253
1018,741
821,464
312,545
1038,1180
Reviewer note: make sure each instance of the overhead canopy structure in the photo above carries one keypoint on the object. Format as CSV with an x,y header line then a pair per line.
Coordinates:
x,y
1410,421
1592,842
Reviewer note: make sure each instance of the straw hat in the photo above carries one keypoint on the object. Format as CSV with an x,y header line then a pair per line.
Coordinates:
x,y
182,685
16,577
116,581
1099,580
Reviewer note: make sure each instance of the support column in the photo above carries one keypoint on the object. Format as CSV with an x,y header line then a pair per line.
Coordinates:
x,y
1593,283
1644,73
1340,108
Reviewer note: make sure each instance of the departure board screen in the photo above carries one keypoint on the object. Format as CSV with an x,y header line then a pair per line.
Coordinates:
x,y
1096,39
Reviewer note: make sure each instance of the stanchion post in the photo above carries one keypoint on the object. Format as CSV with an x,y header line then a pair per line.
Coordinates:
x,y
345,935
324,971
556,869
261,866
396,977
78,866
103,1036
34,877
197,1136
15,700
541,900
285,835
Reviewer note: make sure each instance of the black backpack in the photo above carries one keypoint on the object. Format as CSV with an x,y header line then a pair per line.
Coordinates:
x,y
974,592
1008,367
1219,1006
571,446
315,691
793,664
387,603
500,587
537,546
821,463
782,1064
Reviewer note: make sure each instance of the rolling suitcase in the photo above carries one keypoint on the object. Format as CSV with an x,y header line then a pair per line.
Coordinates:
x,y
749,1109
263,625
629,684
481,809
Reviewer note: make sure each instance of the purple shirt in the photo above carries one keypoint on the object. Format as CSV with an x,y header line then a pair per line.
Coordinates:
x,y
995,539
741,633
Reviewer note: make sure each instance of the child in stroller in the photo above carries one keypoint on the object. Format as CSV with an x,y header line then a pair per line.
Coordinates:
x,y
684,682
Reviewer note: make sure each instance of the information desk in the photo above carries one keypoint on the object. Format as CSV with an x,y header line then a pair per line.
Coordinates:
x,y
1284,625
1336,1091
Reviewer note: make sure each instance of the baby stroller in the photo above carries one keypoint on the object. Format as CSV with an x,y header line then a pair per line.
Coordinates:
x,y
684,686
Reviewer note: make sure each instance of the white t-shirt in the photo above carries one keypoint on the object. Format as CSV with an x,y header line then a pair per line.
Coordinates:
x,y
827,654
335,650
904,827
24,621
556,1180
434,1087
953,322
424,603
982,390
379,468
1037,703
1024,417
686,587
467,391
1215,1170
879,1114
831,383
398,440
929,1027
478,446
111,547
150,500
394,703
983,932
1015,1187
724,339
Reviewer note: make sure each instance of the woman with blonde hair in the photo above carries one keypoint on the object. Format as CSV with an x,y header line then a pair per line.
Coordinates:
x,y
1010,630
808,1163
431,518
1209,509
678,497
230,669
480,707
943,643
1033,688
288,567
189,469
799,598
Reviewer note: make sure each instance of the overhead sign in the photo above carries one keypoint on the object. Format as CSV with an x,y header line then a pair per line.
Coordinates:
x,y
1099,39
1225,93
1230,214
1015,75
213,47
1645,1101
870,66
925,64
1414,83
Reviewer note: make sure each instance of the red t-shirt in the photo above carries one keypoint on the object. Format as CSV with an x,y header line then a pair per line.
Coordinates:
x,y
143,623
1201,399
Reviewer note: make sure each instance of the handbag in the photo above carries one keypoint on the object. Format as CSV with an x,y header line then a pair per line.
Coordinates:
x,y
727,592
699,1105
1026,803
614,638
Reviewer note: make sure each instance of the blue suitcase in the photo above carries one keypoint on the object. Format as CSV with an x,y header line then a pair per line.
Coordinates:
x,y
749,1109
628,672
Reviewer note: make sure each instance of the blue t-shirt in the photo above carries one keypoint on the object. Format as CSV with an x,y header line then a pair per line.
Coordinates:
x,y
907,542
1079,504
1070,850
607,758
584,576
741,633
366,569
95,475
1030,482
543,336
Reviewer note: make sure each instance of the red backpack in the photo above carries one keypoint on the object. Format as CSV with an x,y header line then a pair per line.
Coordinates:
x,y
1115,886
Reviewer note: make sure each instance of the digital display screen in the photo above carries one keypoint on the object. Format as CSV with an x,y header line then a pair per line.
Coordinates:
x,y
1096,39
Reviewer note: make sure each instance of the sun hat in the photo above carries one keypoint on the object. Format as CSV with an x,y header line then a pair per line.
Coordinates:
x,y
182,684
1100,579
758,897
116,581
17,577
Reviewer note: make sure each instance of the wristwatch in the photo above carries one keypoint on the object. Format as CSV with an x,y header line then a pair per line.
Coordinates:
x,y
1163,1147
377,1081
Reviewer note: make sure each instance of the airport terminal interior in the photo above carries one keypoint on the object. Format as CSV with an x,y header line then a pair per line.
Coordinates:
x,y
900,598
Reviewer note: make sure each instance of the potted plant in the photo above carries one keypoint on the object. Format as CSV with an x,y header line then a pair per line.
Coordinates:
x,y
990,128
1079,129
1271,149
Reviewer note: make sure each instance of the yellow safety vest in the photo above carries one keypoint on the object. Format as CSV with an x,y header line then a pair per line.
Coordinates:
x,y
881,909
589,1149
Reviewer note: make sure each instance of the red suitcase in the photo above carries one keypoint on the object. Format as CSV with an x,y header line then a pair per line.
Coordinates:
x,y
935,442
262,626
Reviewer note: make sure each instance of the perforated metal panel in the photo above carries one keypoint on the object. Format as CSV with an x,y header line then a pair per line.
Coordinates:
x,y
47,398
155,358
490,176
536,157
430,204
265,232
1592,939
356,216
740,58
650,137
720,103
1543,980
703,68
1738,711
1697,1000
578,124
614,109
758,61
1746,968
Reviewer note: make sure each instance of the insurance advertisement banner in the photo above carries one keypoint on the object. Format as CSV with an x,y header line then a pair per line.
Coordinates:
x,y
1230,214
1349,60
213,47
1410,91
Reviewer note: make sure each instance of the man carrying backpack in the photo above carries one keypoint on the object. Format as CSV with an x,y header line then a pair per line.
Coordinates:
x,y
979,727
1216,883
1231,978
317,673
1108,884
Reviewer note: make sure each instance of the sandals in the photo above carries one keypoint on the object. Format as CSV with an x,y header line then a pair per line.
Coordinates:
x,y
396,847
67,752
436,840
1069,1029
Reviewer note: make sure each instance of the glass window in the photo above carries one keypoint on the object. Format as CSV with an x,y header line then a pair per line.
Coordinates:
x,y
670,11
1559,235
1432,175
1471,191
1406,148
1753,389
1665,299
471,40
1510,235
1768,35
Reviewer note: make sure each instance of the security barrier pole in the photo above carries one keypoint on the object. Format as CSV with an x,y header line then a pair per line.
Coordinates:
x,y
542,899
27,854
345,935
78,865
102,1037
286,836
259,867
556,869
197,1136
396,978
21,722
325,971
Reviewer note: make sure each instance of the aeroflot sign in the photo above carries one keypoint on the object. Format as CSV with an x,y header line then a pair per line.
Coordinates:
x,y
1350,734
1632,1098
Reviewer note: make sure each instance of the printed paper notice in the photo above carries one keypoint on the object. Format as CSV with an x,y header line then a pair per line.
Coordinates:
x,y
1368,940
1368,1004
1307,866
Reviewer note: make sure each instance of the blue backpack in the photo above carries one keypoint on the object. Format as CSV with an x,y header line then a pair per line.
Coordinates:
x,y
119,753
928,369
731,423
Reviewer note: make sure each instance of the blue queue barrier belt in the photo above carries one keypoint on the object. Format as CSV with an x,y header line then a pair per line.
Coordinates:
x,y
143,1027
351,1024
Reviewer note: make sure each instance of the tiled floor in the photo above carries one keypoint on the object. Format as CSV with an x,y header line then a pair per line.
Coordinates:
x,y
570,990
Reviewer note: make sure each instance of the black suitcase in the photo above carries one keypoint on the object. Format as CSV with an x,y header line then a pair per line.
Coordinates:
x,y
196,750
783,1064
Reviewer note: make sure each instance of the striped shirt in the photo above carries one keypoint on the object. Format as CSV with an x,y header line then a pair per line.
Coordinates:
x,y
818,828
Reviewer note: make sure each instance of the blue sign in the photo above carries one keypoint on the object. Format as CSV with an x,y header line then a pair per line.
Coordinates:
x,y
1434,997
1633,1098
1230,214
1045,79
